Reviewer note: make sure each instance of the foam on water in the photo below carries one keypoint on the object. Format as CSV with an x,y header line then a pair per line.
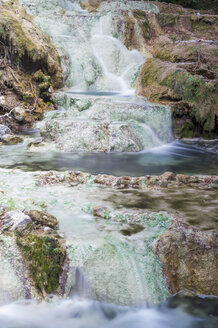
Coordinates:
x,y
79,312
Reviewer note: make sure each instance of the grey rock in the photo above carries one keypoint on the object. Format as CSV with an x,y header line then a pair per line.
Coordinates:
x,y
15,220
4,130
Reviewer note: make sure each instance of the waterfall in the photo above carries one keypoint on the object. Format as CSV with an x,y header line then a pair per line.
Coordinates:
x,y
95,63
80,287
90,41
115,59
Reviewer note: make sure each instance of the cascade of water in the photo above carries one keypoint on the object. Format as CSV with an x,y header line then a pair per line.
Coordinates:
x,y
94,60
98,60
80,287
106,49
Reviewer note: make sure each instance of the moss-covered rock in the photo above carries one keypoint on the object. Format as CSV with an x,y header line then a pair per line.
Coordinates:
x,y
162,81
31,68
45,257
42,219
28,46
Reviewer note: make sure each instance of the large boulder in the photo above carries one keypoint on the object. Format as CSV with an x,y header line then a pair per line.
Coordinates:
x,y
189,259
192,98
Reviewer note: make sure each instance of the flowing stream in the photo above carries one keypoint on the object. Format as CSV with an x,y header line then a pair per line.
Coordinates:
x,y
114,280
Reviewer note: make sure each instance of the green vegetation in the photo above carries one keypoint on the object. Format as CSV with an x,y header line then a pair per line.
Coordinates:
x,y
167,20
180,85
195,90
46,258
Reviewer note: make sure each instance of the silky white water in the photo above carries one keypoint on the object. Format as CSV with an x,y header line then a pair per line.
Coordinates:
x,y
94,59
92,55
79,313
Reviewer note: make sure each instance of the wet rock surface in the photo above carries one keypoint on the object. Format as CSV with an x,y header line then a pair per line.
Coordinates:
x,y
121,227
15,282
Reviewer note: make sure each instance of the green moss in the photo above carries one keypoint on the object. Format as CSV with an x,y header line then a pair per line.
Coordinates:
x,y
14,36
2,30
139,14
196,91
150,75
164,54
187,130
200,95
167,20
73,101
146,29
46,258
145,25
202,24
40,77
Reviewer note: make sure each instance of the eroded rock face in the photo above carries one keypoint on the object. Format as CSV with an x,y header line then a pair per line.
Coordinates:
x,y
189,259
31,67
182,69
